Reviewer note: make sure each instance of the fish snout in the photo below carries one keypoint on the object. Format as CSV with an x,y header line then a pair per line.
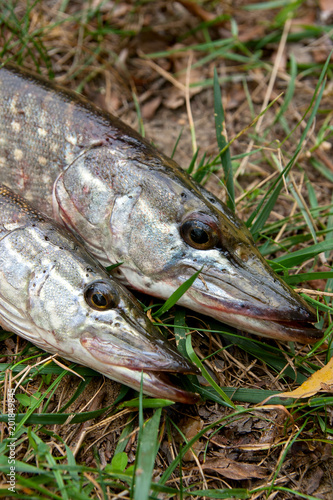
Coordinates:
x,y
247,294
136,349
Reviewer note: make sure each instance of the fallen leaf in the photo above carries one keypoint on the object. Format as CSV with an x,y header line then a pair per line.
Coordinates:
x,y
326,10
198,11
248,33
149,108
234,470
190,427
314,480
326,5
320,380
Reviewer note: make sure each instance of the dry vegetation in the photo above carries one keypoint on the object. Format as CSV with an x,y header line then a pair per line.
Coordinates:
x,y
152,63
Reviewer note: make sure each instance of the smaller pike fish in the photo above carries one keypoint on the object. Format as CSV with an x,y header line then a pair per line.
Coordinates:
x,y
53,293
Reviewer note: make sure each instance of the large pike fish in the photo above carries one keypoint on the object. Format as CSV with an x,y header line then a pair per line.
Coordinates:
x,y
53,293
131,204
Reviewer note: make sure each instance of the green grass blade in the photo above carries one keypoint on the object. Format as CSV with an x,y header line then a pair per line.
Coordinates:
x,y
147,403
299,256
329,236
124,436
194,358
312,194
49,368
176,295
262,215
251,395
113,266
193,162
222,142
290,90
146,457
300,202
293,493
80,389
303,277
176,144
262,212
180,330
271,356
54,418
273,4
44,451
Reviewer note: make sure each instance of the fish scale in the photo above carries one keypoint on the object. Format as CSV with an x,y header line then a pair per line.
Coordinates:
x,y
131,204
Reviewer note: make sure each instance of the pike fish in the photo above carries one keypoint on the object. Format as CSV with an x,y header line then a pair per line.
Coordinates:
x,y
54,294
129,203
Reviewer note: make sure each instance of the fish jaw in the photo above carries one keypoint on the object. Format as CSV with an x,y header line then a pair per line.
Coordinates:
x,y
131,345
154,384
259,303
263,304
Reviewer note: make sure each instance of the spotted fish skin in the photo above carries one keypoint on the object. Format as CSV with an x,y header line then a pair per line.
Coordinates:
x,y
54,294
129,203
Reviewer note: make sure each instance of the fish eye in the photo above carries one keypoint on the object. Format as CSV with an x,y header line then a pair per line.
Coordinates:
x,y
198,234
101,296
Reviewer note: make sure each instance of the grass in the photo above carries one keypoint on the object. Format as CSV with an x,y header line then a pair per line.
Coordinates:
x,y
132,446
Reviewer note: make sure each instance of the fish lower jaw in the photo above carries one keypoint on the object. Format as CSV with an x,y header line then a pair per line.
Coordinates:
x,y
154,384
287,331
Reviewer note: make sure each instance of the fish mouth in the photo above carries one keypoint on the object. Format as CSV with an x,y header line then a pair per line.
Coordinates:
x,y
288,331
158,385
150,357
155,377
257,302
148,354
265,322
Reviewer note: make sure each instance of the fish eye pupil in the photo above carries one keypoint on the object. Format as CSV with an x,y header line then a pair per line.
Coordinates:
x,y
101,296
198,235
99,300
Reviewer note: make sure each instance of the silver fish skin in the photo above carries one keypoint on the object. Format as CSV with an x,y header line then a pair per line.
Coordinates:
x,y
54,294
129,203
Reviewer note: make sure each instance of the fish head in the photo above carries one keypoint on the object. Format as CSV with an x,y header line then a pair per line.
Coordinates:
x,y
163,227
191,230
89,318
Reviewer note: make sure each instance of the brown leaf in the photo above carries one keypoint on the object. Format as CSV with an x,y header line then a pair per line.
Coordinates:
x,y
149,108
326,5
190,428
175,98
247,33
234,470
198,11
314,480
320,380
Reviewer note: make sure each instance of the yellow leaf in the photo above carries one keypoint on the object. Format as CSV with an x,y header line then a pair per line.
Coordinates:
x,y
320,380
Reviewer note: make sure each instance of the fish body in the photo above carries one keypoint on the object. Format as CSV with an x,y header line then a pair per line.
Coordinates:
x,y
129,203
53,293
